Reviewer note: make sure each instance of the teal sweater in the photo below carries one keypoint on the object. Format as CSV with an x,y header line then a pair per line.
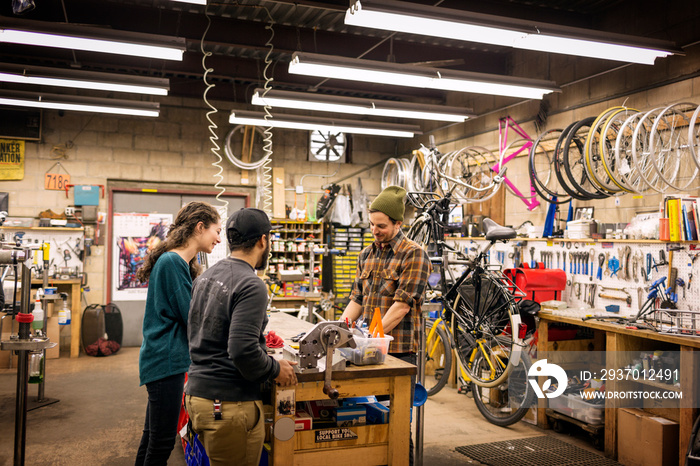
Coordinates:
x,y
164,350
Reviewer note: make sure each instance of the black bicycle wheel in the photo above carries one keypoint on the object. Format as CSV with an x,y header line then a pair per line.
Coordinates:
x,y
420,231
438,360
542,171
559,169
483,308
507,403
575,161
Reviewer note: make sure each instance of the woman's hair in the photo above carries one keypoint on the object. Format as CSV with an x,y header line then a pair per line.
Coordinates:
x,y
181,230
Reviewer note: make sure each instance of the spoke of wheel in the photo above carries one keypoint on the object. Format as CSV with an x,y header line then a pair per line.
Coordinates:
x,y
593,152
610,176
671,155
641,153
624,161
694,136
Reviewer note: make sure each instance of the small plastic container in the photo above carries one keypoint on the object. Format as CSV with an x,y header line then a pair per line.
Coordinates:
x,y
368,350
578,408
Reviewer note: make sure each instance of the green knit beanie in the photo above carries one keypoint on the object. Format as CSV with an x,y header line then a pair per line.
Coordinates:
x,y
390,201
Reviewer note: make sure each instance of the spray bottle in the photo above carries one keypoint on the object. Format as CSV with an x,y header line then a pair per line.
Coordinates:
x,y
64,315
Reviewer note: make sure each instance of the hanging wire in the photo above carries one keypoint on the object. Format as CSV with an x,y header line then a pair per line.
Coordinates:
x,y
212,125
265,170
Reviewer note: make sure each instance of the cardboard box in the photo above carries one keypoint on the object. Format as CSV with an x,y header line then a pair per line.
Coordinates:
x,y
321,409
646,440
377,413
302,420
351,416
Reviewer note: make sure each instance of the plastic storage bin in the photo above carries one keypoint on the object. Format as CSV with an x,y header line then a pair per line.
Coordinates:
x,y
368,350
574,406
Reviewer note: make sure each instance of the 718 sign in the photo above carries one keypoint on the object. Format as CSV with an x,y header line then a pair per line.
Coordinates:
x,y
56,181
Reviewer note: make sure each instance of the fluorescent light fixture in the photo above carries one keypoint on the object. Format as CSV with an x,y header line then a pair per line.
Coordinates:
x,y
37,75
240,117
357,106
468,26
91,39
79,103
194,2
354,69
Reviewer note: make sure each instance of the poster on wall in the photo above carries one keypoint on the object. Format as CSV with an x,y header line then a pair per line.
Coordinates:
x,y
11,159
134,235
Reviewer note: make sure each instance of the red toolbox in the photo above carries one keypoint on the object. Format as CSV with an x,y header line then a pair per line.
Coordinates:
x,y
539,284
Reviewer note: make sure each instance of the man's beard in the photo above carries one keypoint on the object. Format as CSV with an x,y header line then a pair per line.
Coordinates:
x,y
262,263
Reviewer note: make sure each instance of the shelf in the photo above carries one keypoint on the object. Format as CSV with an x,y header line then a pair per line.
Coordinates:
x,y
654,384
577,240
6,227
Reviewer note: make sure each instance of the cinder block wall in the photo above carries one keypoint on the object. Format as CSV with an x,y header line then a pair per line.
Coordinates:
x,y
172,151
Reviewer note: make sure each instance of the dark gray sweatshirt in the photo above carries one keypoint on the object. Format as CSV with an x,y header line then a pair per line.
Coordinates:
x,y
228,314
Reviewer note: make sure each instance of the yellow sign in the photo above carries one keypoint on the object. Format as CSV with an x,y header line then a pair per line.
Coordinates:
x,y
11,159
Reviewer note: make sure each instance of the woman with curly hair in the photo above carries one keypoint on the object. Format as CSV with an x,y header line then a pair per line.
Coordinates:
x,y
164,358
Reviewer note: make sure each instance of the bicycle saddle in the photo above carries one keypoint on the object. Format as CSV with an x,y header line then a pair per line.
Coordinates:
x,y
496,232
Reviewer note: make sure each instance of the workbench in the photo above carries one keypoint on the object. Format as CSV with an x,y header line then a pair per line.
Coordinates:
x,y
614,338
375,444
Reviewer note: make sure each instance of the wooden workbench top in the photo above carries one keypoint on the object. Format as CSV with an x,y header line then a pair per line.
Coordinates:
x,y
620,329
287,326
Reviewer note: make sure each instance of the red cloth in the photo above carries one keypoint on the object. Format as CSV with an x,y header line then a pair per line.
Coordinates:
x,y
102,347
273,340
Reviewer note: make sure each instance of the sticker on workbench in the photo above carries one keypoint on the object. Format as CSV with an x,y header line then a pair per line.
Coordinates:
x,y
286,402
333,435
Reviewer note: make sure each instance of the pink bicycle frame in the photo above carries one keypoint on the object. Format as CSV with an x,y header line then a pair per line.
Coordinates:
x,y
504,124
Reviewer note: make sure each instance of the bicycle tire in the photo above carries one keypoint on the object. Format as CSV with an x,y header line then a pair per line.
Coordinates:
x,y
575,166
641,152
593,151
559,170
438,359
626,167
420,231
672,153
541,187
694,136
482,309
608,156
501,413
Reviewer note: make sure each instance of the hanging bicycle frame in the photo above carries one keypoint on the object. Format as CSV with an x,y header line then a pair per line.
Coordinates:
x,y
504,125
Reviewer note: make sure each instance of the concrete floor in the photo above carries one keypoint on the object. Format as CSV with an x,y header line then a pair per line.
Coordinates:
x,y
99,417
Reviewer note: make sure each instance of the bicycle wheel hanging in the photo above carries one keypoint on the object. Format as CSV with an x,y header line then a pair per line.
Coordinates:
x,y
599,143
694,136
394,173
507,403
541,168
672,158
483,308
626,168
468,171
641,152
573,151
438,359
559,169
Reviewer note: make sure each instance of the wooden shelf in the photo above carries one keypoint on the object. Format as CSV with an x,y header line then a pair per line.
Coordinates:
x,y
6,227
577,240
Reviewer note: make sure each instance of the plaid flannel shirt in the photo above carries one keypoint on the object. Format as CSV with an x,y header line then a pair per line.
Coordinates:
x,y
398,271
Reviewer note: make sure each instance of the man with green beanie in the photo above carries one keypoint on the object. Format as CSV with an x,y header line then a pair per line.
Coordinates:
x,y
392,274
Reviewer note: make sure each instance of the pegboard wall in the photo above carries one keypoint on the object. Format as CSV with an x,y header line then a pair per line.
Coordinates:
x,y
632,279
67,248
